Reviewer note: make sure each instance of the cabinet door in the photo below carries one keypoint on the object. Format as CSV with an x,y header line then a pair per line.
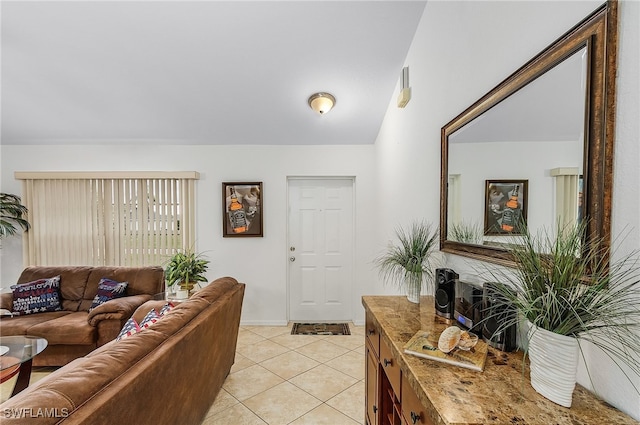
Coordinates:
x,y
390,366
371,395
412,409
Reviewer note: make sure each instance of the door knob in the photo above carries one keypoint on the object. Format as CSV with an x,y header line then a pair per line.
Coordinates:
x,y
292,259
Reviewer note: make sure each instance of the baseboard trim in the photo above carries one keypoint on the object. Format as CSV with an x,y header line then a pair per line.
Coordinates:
x,y
283,322
263,323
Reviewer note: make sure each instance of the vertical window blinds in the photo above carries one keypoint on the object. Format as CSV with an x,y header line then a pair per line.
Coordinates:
x,y
118,219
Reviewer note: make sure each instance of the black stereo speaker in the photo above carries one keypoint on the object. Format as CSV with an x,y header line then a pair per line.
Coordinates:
x,y
499,323
445,292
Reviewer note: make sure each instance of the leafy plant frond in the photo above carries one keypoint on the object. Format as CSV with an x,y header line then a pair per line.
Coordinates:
x,y
409,261
12,215
568,287
465,232
186,266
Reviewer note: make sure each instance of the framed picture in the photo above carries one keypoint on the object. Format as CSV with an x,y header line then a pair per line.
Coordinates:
x,y
505,206
242,209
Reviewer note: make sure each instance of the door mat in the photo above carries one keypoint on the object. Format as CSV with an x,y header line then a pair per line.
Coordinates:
x,y
320,329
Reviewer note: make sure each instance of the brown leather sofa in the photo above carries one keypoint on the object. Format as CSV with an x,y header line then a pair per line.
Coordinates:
x,y
169,373
74,331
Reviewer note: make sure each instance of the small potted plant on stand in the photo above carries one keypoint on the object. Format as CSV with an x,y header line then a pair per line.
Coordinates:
x,y
186,268
568,294
409,264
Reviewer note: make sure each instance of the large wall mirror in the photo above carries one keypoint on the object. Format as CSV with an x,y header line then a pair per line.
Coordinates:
x,y
539,144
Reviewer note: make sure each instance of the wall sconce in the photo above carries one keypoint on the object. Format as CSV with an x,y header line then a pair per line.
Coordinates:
x,y
322,102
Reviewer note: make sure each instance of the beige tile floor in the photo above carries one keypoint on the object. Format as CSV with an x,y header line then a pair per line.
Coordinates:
x,y
281,379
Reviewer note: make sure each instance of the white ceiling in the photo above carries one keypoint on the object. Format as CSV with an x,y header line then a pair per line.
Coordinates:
x,y
201,72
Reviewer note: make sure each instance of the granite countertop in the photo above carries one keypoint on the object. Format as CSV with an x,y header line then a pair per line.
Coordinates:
x,y
501,394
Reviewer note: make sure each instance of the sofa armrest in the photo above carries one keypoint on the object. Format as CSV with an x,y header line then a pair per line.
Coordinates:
x,y
118,309
6,301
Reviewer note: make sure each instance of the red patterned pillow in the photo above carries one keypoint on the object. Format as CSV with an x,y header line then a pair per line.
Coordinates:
x,y
151,318
165,309
130,327
37,296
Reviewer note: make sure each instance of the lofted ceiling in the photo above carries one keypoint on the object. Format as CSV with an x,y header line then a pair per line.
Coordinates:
x,y
200,72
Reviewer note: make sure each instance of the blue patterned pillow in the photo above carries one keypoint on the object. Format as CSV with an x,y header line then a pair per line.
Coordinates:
x,y
151,318
130,327
108,290
37,296
165,309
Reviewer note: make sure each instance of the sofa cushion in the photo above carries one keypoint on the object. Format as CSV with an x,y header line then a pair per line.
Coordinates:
x,y
73,280
18,325
71,329
147,280
108,290
38,296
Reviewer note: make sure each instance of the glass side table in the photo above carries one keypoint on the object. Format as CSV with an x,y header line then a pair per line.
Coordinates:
x,y
169,297
17,358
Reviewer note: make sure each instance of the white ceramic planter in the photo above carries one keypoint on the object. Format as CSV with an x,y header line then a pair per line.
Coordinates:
x,y
554,362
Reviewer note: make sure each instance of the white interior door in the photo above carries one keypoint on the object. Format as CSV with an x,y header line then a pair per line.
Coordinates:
x,y
320,250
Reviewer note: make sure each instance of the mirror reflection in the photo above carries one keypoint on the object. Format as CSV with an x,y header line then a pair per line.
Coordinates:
x,y
521,161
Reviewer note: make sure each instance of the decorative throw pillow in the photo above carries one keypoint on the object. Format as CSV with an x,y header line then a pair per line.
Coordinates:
x,y
151,318
108,290
37,296
130,327
165,309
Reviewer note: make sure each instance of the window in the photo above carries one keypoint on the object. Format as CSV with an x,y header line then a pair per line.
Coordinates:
x,y
114,218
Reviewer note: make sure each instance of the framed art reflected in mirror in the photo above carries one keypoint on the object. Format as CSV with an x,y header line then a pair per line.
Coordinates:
x,y
505,207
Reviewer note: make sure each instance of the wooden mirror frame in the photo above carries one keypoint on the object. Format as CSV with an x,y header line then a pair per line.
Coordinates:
x,y
598,32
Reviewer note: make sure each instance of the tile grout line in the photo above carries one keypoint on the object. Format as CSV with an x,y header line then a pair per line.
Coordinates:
x,y
358,380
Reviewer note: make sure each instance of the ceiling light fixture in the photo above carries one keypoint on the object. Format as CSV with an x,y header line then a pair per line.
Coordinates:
x,y
322,102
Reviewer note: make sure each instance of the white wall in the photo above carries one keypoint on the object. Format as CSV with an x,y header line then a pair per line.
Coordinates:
x,y
259,262
461,50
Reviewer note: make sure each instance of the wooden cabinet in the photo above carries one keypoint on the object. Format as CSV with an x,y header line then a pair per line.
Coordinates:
x,y
389,399
408,390
372,371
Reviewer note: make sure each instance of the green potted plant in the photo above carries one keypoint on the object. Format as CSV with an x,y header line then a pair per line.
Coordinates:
x,y
186,268
409,265
568,293
12,215
465,232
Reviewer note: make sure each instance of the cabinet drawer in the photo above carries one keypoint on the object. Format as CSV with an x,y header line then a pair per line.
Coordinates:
x,y
373,335
412,409
390,366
